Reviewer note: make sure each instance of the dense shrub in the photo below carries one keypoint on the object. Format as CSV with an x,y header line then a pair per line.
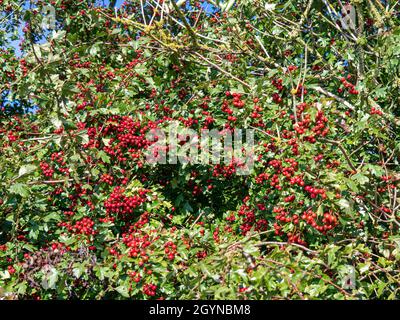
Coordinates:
x,y
83,215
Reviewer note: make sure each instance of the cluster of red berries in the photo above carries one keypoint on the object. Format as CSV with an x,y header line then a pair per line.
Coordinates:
x,y
295,238
47,170
225,171
299,91
23,66
320,126
333,164
300,108
237,102
225,108
249,220
201,254
278,229
56,246
76,62
275,163
292,68
261,206
58,157
11,137
297,180
384,209
375,111
197,190
83,226
82,106
127,137
290,170
58,130
274,183
138,242
349,86
11,270
150,289
314,192
216,235
283,216
262,177
277,83
329,220
276,98
107,220
318,157
170,250
121,204
295,147
301,126
136,277
290,198
107,179
256,111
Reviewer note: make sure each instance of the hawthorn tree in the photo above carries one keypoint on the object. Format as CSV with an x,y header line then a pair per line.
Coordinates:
x,y
83,215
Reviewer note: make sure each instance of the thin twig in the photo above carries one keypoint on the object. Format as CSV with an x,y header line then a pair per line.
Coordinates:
x,y
222,70
334,96
278,243
339,145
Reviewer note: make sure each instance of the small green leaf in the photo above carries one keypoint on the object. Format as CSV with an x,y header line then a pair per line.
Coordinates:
x,y
360,178
364,267
123,291
26,169
52,279
20,189
103,156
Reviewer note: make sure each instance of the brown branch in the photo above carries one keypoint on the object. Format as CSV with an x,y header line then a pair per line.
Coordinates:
x,y
222,70
183,18
334,96
49,181
339,145
278,243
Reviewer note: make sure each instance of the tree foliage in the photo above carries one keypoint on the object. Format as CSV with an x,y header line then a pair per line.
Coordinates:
x,y
83,215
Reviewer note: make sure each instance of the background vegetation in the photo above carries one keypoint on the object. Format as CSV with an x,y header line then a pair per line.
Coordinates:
x,y
82,216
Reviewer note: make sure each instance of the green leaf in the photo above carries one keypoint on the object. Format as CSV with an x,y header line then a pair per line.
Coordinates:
x,y
52,278
352,185
101,272
364,267
20,189
26,169
360,178
22,288
346,205
103,156
84,136
123,291
56,35
94,50
56,122
79,270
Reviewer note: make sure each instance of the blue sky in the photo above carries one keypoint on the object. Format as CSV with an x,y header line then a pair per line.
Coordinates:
x,y
206,6
16,42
